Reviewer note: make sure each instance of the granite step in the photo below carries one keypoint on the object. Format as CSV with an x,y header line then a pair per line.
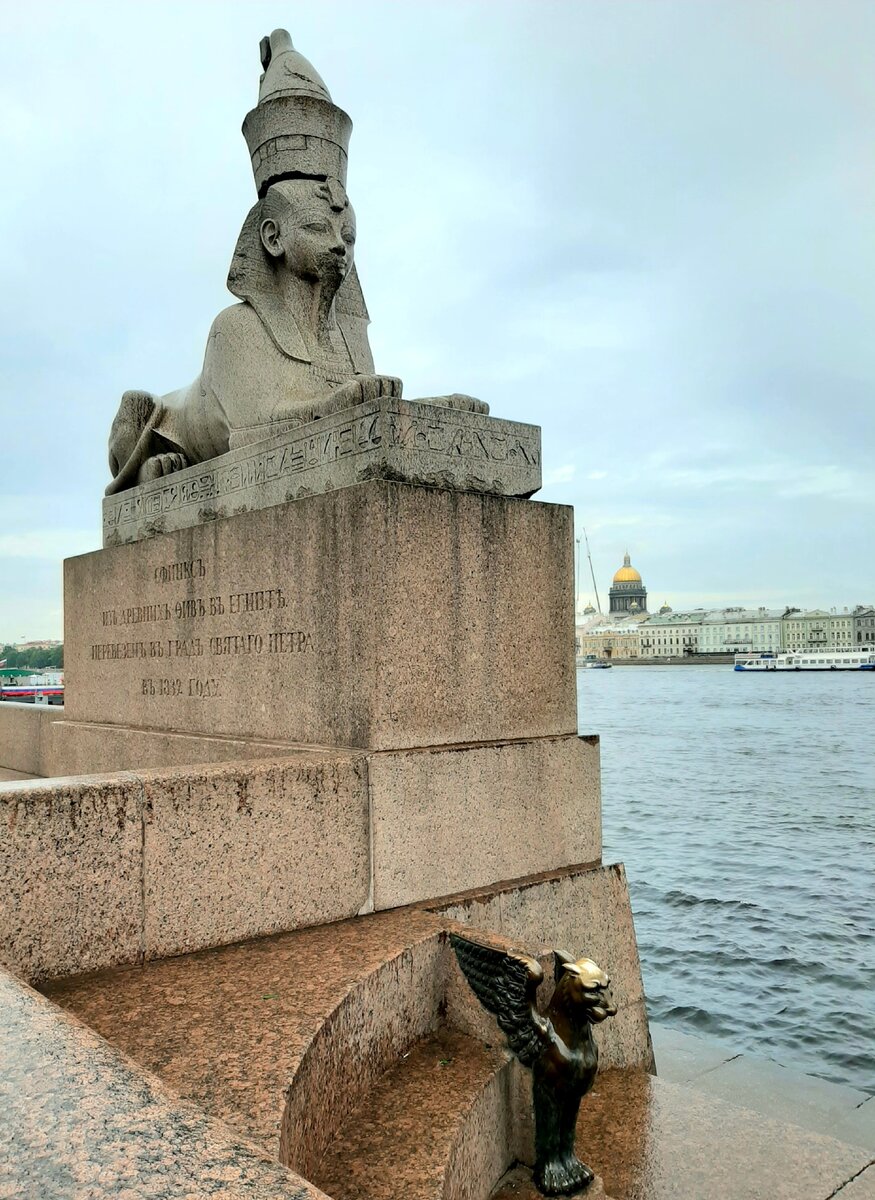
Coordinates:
x,y
437,1126
653,1140
712,1066
78,1119
252,1032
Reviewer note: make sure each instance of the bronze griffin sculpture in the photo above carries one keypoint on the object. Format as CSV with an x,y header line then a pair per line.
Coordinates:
x,y
558,1046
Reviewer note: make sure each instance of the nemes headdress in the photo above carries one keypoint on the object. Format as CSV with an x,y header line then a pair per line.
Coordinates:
x,y
295,130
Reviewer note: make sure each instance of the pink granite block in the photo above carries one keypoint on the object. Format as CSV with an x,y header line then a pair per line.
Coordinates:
x,y
71,858
245,849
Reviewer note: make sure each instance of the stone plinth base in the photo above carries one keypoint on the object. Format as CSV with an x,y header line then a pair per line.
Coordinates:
x,y
425,444
379,617
99,870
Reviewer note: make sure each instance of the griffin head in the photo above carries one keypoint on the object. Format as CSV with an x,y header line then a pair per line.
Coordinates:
x,y
582,987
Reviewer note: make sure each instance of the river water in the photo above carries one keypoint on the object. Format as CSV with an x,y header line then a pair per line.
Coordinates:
x,y
744,809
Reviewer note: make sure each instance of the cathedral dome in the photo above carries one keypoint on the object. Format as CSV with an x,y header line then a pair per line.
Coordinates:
x,y
627,593
627,573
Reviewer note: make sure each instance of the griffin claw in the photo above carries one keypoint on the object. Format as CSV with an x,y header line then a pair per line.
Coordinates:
x,y
563,1178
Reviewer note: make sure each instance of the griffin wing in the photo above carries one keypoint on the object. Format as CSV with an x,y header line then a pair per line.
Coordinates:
x,y
507,985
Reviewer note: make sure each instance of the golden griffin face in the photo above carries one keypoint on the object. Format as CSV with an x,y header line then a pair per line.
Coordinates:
x,y
585,985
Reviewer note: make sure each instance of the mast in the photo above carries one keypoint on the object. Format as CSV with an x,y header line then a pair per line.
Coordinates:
x,y
598,602
577,583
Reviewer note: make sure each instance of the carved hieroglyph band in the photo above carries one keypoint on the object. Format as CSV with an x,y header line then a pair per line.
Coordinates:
x,y
392,439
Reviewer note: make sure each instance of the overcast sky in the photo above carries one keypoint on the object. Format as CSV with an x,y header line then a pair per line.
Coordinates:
x,y
646,225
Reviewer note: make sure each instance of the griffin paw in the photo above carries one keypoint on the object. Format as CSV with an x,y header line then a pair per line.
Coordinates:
x,y
563,1177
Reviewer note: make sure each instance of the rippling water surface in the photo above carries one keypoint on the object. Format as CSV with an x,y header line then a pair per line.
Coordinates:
x,y
744,809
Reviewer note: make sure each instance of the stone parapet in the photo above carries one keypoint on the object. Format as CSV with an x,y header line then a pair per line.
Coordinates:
x,y
467,817
431,445
25,737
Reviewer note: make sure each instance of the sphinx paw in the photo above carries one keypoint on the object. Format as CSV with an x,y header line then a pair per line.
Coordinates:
x,y
373,387
161,464
458,401
467,403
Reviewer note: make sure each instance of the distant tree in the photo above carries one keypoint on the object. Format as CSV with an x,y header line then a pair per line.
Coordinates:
x,y
51,659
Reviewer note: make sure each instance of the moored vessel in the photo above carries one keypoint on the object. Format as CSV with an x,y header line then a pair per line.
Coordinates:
x,y
862,659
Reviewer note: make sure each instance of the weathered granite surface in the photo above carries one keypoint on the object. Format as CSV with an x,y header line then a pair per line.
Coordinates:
x,y
438,1124
466,817
119,868
418,443
25,735
71,854
232,1029
114,869
254,1031
79,1120
381,616
86,748
232,853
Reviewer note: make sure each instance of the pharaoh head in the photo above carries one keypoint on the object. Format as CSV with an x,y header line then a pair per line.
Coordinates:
x,y
302,224
307,227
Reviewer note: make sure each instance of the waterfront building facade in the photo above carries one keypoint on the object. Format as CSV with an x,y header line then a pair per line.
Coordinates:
x,y
863,627
670,634
817,630
740,630
610,639
627,593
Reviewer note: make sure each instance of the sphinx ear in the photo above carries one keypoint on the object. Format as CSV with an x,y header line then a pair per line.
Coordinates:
x,y
269,232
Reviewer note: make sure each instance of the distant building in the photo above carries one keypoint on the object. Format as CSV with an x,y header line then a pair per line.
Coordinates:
x,y
737,630
817,630
627,593
610,639
670,634
863,627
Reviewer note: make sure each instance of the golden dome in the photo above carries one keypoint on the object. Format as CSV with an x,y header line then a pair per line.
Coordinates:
x,y
627,573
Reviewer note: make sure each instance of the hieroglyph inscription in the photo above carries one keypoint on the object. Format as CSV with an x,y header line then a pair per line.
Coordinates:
x,y
439,433
293,457
204,646
491,443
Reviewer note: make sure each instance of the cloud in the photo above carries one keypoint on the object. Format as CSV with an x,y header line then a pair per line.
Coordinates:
x,y
645,227
563,474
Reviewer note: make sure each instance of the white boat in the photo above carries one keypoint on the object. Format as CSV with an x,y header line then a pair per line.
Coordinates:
x,y
593,664
808,660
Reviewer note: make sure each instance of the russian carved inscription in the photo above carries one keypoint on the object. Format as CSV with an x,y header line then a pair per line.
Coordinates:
x,y
202,648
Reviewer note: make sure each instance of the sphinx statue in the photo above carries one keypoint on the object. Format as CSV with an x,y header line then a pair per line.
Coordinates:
x,y
295,348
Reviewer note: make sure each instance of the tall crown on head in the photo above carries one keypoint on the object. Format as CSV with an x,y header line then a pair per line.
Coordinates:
x,y
295,129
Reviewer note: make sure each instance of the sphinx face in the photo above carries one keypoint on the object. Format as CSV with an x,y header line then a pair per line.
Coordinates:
x,y
310,229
